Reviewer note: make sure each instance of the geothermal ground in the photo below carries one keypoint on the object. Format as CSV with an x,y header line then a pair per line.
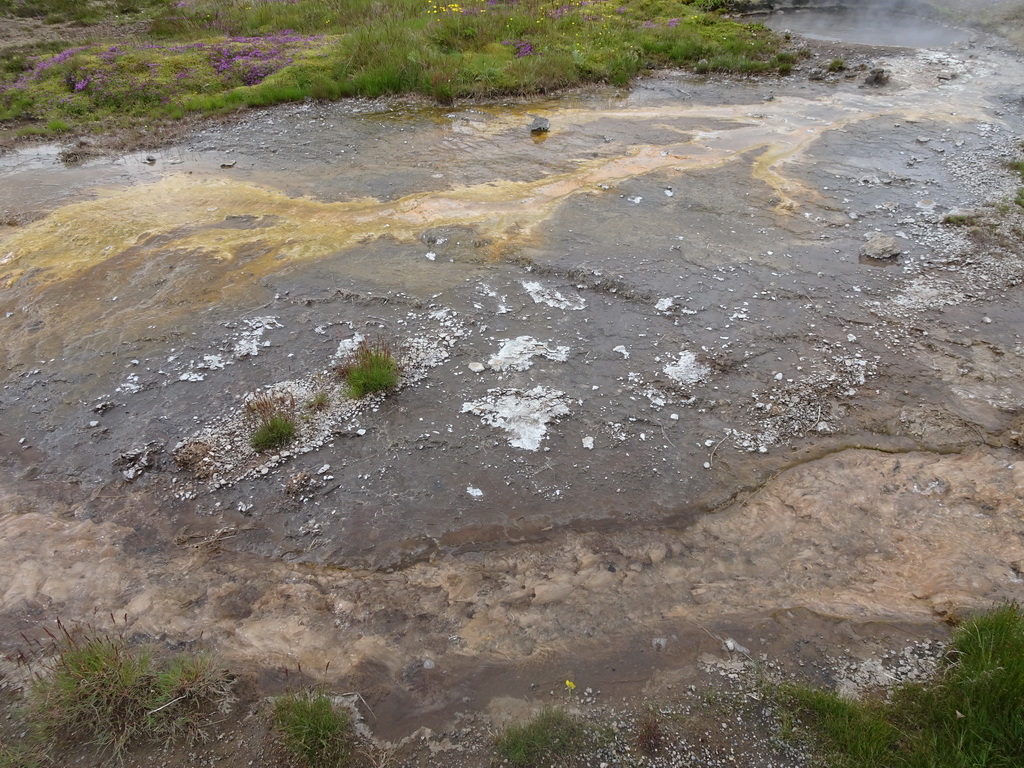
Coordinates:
x,y
707,366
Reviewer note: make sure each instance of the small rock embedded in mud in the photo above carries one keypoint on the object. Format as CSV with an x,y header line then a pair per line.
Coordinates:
x,y
540,125
588,443
881,246
136,461
150,159
877,77
476,367
476,493
228,165
733,647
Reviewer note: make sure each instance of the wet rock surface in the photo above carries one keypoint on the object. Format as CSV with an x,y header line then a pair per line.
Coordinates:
x,y
653,379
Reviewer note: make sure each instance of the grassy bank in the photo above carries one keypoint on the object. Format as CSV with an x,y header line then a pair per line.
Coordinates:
x,y
210,56
971,715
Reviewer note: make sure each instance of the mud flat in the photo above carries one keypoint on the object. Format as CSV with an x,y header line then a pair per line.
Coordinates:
x,y
705,359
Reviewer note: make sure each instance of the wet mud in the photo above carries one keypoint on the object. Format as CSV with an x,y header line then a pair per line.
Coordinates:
x,y
651,380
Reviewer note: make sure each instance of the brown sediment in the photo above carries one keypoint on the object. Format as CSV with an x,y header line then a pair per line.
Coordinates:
x,y
857,534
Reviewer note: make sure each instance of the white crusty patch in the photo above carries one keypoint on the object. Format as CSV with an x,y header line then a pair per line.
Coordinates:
x,y
524,415
250,340
516,354
553,298
687,370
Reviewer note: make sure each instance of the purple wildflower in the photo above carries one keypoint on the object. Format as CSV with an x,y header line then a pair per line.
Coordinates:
x,y
523,47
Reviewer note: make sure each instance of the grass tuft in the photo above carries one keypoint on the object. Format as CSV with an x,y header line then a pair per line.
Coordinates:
x,y
274,417
314,730
972,714
550,736
96,688
960,220
319,401
371,368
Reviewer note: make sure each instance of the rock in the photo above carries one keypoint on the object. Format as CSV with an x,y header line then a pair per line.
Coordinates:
x,y
150,159
877,77
540,125
881,247
228,165
134,462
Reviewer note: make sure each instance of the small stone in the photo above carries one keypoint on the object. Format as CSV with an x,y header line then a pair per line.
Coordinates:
x,y
540,125
476,367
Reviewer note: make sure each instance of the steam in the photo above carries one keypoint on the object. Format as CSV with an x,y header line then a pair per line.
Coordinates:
x,y
896,23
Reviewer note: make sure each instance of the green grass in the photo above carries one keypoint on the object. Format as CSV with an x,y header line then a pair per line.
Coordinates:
x,y
550,738
960,220
276,432
273,417
371,368
99,690
210,56
314,730
77,12
22,755
970,716
836,65
1017,166
319,401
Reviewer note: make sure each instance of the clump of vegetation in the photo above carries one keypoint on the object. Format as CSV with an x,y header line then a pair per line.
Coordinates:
x,y
317,732
836,65
274,416
370,368
319,401
972,714
209,56
550,736
960,220
91,686
1017,166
